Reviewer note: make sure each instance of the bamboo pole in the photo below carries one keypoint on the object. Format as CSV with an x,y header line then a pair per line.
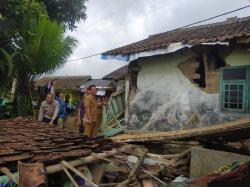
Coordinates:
x,y
78,162
156,178
7,172
67,165
69,176
86,160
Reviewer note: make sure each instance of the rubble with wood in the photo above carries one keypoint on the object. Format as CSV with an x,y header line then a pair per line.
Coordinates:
x,y
36,154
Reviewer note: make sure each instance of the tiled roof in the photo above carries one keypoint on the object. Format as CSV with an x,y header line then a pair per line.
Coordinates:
x,y
29,141
64,82
99,83
220,31
117,74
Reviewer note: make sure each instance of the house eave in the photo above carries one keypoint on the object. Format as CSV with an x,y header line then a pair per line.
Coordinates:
x,y
173,47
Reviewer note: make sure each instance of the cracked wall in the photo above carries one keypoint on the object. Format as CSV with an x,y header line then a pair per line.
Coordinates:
x,y
166,98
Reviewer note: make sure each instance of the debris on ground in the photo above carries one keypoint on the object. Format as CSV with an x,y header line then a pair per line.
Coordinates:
x,y
100,161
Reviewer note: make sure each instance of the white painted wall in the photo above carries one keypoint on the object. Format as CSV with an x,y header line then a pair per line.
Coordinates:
x,y
166,98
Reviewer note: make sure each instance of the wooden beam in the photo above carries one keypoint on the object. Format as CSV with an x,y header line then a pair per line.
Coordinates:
x,y
69,176
67,165
135,170
81,161
7,172
151,175
229,131
102,158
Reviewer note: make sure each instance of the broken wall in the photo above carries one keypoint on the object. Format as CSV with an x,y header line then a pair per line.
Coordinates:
x,y
166,98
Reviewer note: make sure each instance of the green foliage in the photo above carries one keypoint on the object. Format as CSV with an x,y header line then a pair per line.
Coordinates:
x,y
66,12
32,45
6,72
44,47
24,106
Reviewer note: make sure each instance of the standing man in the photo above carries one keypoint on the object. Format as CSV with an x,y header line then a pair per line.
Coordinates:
x,y
80,110
49,110
90,115
62,114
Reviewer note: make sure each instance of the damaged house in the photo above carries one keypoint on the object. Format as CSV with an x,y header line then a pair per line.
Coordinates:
x,y
189,77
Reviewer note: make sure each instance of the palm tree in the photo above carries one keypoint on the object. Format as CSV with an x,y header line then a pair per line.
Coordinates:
x,y
40,48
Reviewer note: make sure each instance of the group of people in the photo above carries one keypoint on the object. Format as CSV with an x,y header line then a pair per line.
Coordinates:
x,y
88,113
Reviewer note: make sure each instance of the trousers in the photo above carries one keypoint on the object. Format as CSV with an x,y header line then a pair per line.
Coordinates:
x,y
90,129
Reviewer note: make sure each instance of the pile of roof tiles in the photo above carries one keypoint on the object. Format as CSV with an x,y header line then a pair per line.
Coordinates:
x,y
27,140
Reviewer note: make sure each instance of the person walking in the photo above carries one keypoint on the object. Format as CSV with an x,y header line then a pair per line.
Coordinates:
x,y
48,110
90,115
62,114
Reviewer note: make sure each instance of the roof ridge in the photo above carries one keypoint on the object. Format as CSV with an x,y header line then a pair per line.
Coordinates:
x,y
228,21
218,31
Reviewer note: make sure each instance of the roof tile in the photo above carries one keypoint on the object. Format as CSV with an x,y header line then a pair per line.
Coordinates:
x,y
220,31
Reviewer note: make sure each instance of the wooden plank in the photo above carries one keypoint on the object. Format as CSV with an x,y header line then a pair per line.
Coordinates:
x,y
229,131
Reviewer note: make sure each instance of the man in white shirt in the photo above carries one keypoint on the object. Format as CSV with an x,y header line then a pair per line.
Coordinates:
x,y
49,110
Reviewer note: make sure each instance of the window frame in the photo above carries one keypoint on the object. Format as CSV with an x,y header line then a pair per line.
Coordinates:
x,y
246,89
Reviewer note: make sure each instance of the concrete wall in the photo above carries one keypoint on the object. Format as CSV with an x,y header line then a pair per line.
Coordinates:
x,y
166,98
204,157
238,57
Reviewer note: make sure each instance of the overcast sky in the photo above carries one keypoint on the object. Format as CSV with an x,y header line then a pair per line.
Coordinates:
x,y
114,23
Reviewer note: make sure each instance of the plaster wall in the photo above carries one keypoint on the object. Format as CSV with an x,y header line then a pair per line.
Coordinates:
x,y
238,57
166,99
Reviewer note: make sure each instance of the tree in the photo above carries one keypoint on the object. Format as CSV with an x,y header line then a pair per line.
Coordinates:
x,y
40,47
66,12
32,41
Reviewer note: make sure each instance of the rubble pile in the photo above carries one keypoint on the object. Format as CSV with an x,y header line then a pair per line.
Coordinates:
x,y
29,141
142,160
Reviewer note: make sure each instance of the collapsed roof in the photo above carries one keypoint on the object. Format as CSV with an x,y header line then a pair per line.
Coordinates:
x,y
29,141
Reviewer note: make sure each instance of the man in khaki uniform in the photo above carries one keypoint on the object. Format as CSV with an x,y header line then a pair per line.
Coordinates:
x,y
90,116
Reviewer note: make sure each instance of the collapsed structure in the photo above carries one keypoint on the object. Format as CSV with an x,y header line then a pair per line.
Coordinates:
x,y
35,154
189,79
198,74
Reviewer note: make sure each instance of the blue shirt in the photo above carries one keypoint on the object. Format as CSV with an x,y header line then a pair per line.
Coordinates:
x,y
62,108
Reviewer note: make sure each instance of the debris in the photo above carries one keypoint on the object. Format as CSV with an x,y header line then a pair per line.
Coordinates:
x,y
67,165
30,141
149,183
151,175
101,162
135,170
70,177
97,173
7,172
230,131
179,182
32,175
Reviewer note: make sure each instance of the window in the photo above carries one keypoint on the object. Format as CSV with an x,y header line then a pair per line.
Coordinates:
x,y
235,89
